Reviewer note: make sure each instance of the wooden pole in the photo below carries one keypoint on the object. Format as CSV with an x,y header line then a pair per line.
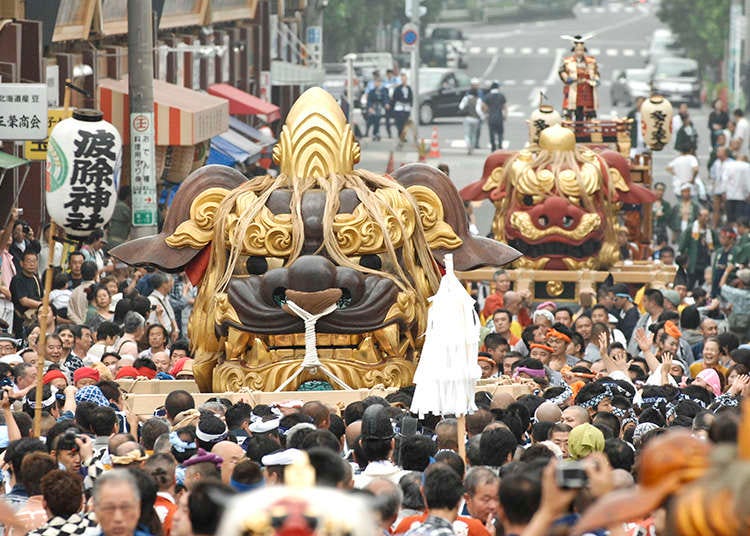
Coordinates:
x,y
461,432
66,95
42,343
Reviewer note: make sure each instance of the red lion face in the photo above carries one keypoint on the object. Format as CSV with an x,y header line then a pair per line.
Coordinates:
x,y
557,202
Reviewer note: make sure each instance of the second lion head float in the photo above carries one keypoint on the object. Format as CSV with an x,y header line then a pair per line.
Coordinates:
x,y
357,250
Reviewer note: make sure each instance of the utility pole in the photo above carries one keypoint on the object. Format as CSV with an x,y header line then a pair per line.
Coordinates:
x,y
141,97
415,14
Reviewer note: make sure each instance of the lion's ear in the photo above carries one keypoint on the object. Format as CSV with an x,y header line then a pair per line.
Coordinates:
x,y
205,186
444,220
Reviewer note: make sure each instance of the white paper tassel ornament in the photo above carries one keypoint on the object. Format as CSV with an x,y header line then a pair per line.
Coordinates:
x,y
448,368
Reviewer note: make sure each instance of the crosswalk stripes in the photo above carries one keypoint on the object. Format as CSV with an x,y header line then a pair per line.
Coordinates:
x,y
547,51
612,8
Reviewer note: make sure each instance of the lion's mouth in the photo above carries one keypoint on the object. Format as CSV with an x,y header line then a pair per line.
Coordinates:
x,y
556,249
369,347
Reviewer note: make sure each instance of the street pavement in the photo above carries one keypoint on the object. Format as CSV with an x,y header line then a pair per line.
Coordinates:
x,y
524,58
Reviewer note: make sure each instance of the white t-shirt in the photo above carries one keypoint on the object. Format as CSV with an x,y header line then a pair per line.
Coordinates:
x,y
735,180
682,169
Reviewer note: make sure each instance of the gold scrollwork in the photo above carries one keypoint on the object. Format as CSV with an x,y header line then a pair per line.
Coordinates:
x,y
439,234
233,376
554,288
196,232
521,221
617,180
358,234
494,180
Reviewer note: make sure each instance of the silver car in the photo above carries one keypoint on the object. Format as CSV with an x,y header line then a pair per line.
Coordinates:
x,y
628,85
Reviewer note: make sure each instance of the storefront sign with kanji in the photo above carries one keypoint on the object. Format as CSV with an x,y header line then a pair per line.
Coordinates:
x,y
23,111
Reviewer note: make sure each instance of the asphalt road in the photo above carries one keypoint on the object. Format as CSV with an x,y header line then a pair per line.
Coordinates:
x,y
524,58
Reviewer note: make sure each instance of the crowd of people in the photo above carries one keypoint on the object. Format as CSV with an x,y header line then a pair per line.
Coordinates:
x,y
604,376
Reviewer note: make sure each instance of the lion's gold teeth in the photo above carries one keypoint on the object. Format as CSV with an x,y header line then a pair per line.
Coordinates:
x,y
521,221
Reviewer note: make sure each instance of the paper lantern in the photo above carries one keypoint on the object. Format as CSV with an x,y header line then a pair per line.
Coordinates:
x,y
543,117
83,172
656,122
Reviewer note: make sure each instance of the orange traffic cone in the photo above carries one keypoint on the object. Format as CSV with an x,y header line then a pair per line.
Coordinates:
x,y
435,144
391,165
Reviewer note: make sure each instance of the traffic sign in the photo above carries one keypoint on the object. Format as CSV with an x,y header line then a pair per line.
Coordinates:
x,y
409,37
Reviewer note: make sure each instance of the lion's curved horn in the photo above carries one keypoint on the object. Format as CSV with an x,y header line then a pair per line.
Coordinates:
x,y
154,250
473,251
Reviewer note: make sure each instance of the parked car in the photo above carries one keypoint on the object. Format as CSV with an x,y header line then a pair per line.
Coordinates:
x,y
678,80
629,84
440,92
455,42
437,53
663,44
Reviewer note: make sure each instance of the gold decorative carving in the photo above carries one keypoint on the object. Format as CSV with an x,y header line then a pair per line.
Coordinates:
x,y
554,288
439,234
617,180
588,264
494,180
316,140
521,221
233,376
198,231
358,234
532,264
557,138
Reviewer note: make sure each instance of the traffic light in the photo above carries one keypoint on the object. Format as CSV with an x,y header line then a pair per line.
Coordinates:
x,y
409,6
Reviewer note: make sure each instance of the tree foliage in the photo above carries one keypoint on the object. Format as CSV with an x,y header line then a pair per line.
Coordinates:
x,y
352,25
701,26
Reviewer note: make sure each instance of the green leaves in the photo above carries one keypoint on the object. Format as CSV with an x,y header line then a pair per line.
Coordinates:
x,y
701,26
352,25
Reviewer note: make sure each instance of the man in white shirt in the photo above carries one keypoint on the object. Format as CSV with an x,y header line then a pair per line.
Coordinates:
x,y
739,140
735,188
683,168
161,310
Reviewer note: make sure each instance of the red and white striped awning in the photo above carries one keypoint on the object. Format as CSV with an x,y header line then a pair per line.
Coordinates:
x,y
181,116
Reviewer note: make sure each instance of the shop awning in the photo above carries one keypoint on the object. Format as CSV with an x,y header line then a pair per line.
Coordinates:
x,y
250,132
242,103
181,116
236,147
8,161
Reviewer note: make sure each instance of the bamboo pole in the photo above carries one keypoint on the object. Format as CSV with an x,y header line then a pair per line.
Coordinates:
x,y
42,343
461,433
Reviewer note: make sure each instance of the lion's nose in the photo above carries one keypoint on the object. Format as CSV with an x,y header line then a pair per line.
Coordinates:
x,y
312,302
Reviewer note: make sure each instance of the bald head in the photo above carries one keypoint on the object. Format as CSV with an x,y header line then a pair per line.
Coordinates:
x,y
352,432
575,415
548,412
501,400
622,479
511,298
388,499
231,453
447,434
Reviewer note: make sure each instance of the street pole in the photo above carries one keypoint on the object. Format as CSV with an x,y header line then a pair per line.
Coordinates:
x,y
141,97
415,61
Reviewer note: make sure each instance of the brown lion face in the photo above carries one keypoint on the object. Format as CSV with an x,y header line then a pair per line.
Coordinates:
x,y
351,247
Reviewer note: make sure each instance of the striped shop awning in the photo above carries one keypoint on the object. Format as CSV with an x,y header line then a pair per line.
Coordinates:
x,y
181,116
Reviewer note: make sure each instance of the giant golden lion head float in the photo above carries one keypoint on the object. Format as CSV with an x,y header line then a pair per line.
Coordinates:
x,y
361,250
557,201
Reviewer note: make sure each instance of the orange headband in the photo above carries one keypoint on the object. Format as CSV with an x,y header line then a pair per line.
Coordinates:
x,y
671,329
486,359
557,335
541,346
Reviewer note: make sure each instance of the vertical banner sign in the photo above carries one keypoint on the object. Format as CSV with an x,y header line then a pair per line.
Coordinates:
x,y
735,53
265,85
142,168
83,172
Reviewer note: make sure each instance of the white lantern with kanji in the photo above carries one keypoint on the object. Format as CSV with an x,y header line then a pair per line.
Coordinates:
x,y
543,117
656,122
84,157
